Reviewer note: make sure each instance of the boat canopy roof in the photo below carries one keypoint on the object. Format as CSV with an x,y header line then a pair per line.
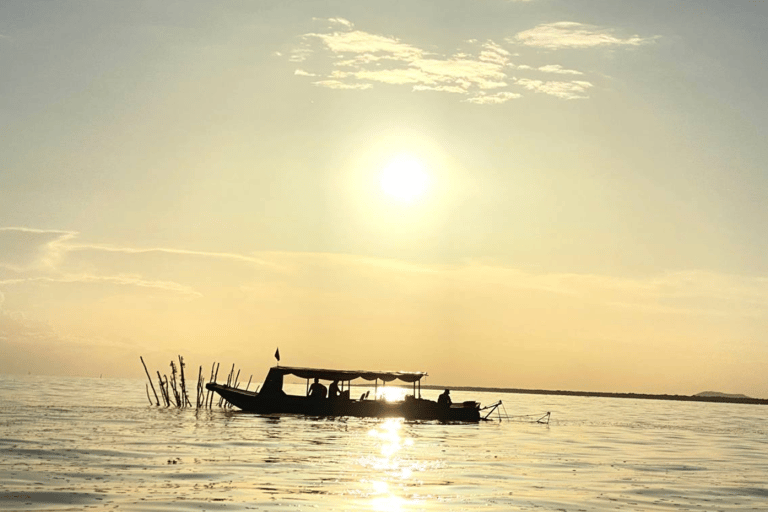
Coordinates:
x,y
325,374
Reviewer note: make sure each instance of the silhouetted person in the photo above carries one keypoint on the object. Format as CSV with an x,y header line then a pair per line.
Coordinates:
x,y
445,398
333,389
317,390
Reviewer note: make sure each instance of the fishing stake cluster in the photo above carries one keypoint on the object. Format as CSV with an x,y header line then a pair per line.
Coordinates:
x,y
175,394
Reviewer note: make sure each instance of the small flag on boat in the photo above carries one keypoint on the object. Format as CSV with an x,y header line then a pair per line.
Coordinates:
x,y
277,354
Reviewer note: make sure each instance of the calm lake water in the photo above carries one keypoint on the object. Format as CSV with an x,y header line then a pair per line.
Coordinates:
x,y
95,444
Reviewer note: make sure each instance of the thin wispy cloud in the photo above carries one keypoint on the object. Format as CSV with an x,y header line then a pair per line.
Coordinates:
x,y
338,84
565,90
120,280
171,251
558,69
494,99
340,21
570,34
692,292
25,249
360,60
48,256
706,289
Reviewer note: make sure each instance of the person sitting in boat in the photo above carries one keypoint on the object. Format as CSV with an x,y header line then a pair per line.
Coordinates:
x,y
317,390
333,389
445,398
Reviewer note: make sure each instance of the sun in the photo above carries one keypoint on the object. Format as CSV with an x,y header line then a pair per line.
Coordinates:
x,y
404,179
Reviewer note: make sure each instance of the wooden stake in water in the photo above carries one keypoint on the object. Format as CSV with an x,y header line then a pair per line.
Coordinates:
x,y
184,398
229,379
215,376
162,390
199,397
174,387
150,383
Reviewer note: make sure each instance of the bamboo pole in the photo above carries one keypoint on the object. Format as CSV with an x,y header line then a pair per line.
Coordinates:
x,y
167,390
198,398
215,376
150,382
229,383
202,387
184,385
162,389
235,384
208,391
174,388
184,398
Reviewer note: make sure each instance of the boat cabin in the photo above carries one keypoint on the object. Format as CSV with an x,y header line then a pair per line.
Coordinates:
x,y
274,381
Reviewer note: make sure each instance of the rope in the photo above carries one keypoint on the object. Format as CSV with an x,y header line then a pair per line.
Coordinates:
x,y
498,407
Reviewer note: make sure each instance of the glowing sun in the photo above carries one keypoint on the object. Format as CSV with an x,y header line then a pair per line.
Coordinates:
x,y
404,179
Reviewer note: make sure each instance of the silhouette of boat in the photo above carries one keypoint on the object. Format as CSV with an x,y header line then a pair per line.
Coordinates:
x,y
272,399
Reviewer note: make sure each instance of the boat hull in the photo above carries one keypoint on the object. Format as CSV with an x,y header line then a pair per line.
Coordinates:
x,y
410,409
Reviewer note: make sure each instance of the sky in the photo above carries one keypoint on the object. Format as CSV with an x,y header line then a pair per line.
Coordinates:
x,y
548,194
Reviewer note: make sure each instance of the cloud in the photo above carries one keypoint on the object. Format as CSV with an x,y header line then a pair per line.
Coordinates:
x,y
690,291
341,21
300,54
557,68
47,256
465,72
368,45
345,57
570,34
494,54
336,21
23,249
361,59
565,90
172,251
337,84
121,280
441,88
494,99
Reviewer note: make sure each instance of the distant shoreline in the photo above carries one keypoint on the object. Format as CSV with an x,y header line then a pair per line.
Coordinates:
x,y
640,396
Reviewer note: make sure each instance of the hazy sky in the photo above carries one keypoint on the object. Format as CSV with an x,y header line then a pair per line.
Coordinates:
x,y
538,194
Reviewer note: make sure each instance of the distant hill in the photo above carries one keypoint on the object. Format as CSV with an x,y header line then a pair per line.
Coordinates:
x,y
718,394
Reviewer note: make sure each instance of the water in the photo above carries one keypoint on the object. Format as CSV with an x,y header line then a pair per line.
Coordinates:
x,y
95,444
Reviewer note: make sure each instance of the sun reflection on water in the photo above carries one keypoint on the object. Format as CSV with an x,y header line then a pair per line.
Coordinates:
x,y
396,470
389,435
388,504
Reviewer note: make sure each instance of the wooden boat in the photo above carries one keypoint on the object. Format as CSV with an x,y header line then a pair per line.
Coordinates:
x,y
272,399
